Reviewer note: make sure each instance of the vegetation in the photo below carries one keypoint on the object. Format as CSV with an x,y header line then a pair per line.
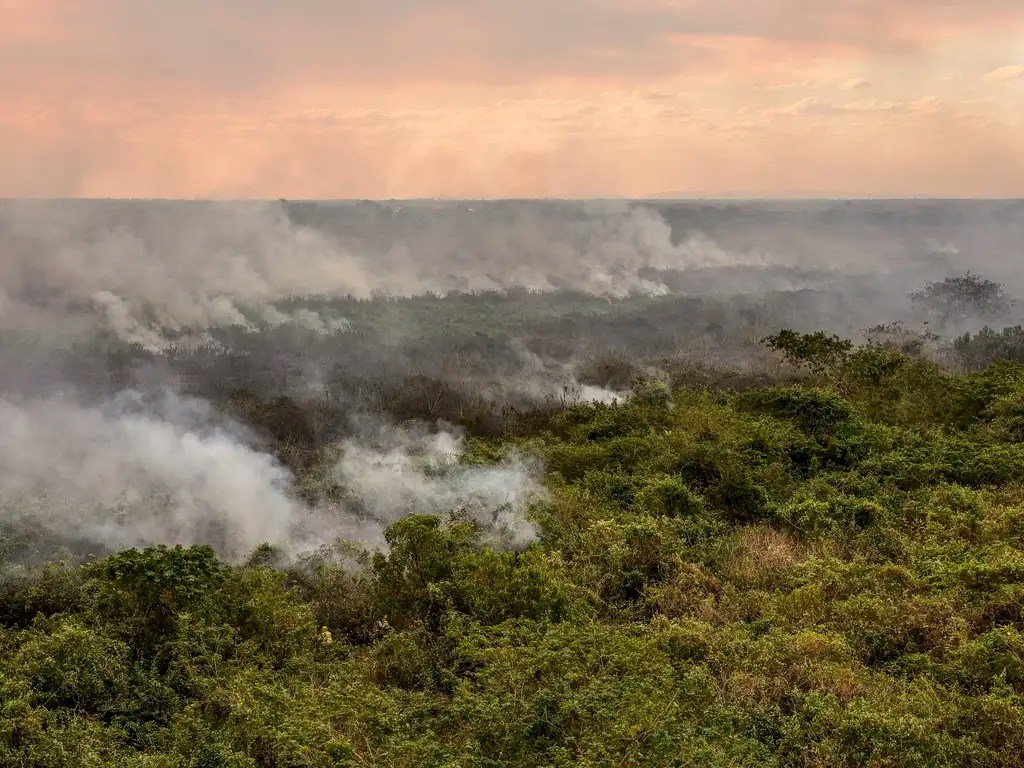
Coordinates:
x,y
988,345
961,298
821,573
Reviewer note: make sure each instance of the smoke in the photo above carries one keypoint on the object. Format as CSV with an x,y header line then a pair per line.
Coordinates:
x,y
542,379
268,297
141,470
149,270
137,471
163,327
390,472
146,268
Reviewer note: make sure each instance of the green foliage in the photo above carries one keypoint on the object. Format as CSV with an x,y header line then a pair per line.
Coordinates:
x,y
835,435
68,665
791,576
988,345
962,297
143,592
433,569
820,352
669,497
651,392
55,588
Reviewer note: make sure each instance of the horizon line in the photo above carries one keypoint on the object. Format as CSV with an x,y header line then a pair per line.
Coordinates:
x,y
666,197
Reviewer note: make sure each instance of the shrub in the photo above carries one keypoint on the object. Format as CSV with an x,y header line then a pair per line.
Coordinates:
x,y
72,666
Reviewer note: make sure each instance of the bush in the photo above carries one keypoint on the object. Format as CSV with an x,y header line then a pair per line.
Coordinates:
x,y
72,666
141,592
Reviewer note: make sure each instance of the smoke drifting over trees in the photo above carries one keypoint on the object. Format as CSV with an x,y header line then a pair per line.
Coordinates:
x,y
511,484
205,371
135,471
174,266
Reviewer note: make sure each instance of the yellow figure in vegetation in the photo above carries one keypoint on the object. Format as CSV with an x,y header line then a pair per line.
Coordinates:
x,y
325,636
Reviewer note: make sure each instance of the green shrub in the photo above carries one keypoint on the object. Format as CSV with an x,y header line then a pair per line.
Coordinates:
x,y
72,666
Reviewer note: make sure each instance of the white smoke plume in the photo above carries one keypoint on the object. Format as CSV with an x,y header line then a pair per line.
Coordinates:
x,y
163,268
128,321
541,379
134,470
393,471
141,471
149,269
125,473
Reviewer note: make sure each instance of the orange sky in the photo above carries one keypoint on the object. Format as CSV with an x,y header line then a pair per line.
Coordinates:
x,y
511,98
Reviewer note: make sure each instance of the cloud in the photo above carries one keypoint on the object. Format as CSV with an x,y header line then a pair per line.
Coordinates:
x,y
239,45
811,105
855,84
399,98
789,86
1008,72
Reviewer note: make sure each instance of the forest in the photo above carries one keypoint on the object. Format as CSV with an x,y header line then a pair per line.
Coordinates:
x,y
824,569
732,516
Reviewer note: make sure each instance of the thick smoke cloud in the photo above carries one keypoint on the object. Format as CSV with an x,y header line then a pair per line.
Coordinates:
x,y
142,470
148,270
179,258
133,471
153,271
394,471
99,466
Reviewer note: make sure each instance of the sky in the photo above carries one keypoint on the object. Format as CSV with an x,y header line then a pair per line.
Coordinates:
x,y
511,98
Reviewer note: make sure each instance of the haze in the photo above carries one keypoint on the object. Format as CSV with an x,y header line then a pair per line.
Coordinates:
x,y
578,98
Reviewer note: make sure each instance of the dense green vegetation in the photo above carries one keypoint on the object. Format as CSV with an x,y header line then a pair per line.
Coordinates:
x,y
822,574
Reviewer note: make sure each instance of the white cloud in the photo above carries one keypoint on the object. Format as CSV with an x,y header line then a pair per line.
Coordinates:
x,y
790,86
1008,72
855,84
928,105
811,105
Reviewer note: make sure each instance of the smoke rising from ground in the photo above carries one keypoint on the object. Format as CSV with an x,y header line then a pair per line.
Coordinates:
x,y
131,472
544,379
395,471
149,269
143,470
301,301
